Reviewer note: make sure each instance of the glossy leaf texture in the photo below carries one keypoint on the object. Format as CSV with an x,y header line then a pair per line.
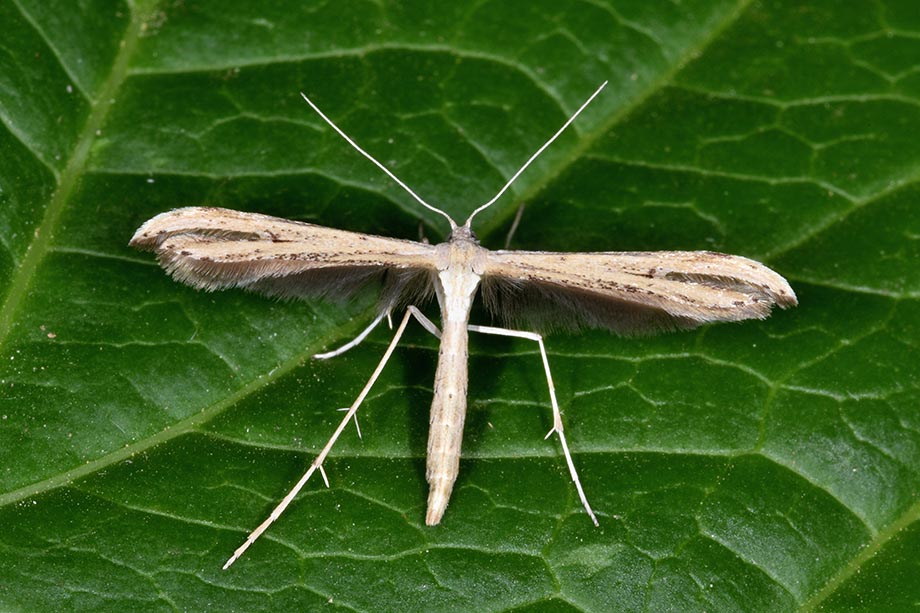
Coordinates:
x,y
145,428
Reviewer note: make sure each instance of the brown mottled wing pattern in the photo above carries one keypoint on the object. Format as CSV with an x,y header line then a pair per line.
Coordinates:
x,y
213,248
629,292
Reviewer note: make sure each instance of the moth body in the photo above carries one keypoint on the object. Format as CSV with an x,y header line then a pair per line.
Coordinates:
x,y
455,287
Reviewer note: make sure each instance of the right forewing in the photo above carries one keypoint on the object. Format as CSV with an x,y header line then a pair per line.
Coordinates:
x,y
213,248
630,292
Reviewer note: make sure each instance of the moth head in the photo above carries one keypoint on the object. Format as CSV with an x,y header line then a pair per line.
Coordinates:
x,y
463,233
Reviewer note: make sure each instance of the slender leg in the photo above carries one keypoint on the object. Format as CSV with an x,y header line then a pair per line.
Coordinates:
x,y
349,345
318,462
354,342
426,323
357,427
514,225
421,233
557,417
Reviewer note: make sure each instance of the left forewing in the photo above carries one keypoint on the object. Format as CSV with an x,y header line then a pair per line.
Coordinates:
x,y
213,248
630,292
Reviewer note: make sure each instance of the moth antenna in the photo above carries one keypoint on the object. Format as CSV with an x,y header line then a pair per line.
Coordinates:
x,y
386,170
534,156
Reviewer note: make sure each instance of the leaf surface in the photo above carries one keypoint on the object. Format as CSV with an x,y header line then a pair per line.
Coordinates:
x,y
146,428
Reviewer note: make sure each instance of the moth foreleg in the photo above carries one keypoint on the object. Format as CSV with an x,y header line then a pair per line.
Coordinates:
x,y
355,341
557,416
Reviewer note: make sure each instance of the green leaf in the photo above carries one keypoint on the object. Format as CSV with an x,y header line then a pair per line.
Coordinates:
x,y
146,428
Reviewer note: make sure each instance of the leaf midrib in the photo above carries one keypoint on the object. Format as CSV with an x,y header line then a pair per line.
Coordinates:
x,y
69,178
179,428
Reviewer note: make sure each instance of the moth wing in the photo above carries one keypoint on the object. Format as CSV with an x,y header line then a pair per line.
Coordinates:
x,y
629,292
213,248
